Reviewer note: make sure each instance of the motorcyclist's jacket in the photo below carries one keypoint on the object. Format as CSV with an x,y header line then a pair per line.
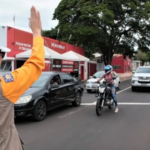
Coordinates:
x,y
109,78
12,86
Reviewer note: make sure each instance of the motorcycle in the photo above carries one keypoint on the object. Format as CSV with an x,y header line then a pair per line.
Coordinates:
x,y
104,97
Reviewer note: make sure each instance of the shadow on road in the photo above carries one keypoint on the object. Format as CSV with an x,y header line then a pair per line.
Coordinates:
x,y
142,90
51,113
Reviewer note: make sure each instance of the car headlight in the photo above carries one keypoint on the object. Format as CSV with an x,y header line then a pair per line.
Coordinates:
x,y
87,82
134,77
24,99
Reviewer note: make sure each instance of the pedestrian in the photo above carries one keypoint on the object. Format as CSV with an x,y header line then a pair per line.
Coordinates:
x,y
13,85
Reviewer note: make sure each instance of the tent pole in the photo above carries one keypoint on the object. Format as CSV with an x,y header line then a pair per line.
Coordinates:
x,y
52,65
49,64
89,69
79,70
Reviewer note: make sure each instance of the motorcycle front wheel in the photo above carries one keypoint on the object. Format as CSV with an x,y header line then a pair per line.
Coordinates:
x,y
98,107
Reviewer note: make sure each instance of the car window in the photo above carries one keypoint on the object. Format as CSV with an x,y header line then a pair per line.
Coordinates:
x,y
42,80
99,74
143,70
55,80
66,78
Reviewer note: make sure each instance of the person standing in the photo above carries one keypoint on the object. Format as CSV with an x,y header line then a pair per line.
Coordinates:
x,y
14,84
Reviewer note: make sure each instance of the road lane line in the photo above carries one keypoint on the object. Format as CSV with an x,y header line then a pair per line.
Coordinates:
x,y
123,103
69,113
133,103
88,104
123,90
95,101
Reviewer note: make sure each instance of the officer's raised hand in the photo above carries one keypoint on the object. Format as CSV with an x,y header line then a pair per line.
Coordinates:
x,y
35,22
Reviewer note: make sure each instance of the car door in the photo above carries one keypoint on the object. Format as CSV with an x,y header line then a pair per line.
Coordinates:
x,y
56,94
70,86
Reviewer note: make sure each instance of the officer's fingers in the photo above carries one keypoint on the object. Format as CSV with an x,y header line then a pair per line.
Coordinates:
x,y
33,12
39,17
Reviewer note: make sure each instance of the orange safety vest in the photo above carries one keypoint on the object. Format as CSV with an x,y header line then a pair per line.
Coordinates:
x,y
12,86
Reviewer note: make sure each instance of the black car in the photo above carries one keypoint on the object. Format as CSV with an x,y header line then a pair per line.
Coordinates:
x,y
51,90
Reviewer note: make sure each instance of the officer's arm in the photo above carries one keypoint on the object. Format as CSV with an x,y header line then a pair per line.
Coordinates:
x,y
24,77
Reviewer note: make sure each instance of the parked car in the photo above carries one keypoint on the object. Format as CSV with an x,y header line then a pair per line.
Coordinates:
x,y
51,90
141,78
92,86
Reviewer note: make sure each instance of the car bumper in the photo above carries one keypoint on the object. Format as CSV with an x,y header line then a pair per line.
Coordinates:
x,y
23,110
140,84
92,86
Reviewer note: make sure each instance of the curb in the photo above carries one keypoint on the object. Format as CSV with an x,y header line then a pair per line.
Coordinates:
x,y
128,78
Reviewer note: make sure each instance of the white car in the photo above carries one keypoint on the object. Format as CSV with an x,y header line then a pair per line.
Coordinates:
x,y
141,77
92,86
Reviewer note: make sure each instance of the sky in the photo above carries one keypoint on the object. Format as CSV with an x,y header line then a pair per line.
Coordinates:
x,y
21,10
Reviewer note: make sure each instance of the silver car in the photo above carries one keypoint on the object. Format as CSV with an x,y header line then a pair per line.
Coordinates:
x,y
141,77
91,84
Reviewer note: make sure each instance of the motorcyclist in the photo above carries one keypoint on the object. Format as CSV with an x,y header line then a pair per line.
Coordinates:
x,y
109,78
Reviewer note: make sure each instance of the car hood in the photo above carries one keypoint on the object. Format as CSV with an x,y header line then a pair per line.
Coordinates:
x,y
31,91
141,75
94,80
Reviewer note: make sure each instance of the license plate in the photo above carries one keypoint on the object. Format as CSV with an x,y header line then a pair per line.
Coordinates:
x,y
144,83
94,86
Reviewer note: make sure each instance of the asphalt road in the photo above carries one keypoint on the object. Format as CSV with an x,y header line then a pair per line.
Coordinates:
x,y
70,128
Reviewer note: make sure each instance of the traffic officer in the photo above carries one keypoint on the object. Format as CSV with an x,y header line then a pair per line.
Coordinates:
x,y
13,85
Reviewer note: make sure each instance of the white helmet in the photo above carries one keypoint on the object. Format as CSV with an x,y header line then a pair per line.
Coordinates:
x,y
4,50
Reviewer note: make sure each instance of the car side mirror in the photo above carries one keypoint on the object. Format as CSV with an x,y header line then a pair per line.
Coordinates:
x,y
133,72
53,86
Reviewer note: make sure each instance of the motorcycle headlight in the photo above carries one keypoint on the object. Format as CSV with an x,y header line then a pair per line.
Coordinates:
x,y
24,99
101,90
135,77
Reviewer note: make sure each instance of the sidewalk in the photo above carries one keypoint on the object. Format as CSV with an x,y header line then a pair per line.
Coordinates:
x,y
125,76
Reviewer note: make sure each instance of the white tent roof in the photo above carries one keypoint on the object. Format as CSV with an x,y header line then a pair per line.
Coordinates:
x,y
49,54
75,56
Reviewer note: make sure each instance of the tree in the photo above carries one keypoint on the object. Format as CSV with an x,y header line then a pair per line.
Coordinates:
x,y
148,56
112,26
53,33
141,56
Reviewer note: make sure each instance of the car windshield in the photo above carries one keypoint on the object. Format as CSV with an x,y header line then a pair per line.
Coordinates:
x,y
98,74
42,80
143,70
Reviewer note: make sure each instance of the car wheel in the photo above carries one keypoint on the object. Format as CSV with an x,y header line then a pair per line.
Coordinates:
x,y
133,88
40,111
77,100
89,91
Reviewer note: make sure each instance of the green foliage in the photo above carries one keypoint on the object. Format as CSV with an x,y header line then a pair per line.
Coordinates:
x,y
107,26
53,33
142,56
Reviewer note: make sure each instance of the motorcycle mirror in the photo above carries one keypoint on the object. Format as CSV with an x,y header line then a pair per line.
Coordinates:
x,y
114,78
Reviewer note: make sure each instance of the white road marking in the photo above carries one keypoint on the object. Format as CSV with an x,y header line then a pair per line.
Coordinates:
x,y
133,103
144,104
69,113
123,90
94,103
